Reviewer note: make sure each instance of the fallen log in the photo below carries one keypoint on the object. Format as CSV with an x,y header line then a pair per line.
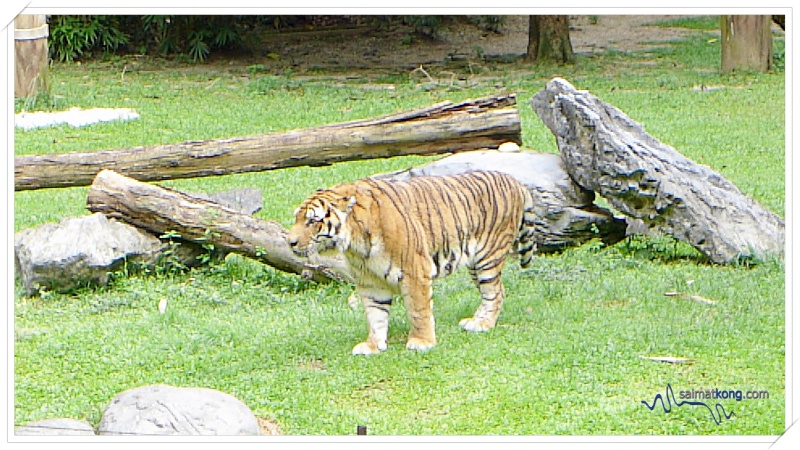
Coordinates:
x,y
607,152
83,251
566,215
442,128
161,210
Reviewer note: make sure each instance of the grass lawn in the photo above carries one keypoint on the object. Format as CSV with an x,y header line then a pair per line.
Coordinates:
x,y
564,359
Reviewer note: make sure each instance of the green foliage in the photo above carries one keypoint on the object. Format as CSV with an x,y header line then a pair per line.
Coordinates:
x,y
73,36
779,56
428,26
266,84
40,101
706,23
431,26
488,23
193,36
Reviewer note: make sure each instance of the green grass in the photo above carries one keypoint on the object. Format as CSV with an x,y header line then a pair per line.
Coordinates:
x,y
564,359
706,23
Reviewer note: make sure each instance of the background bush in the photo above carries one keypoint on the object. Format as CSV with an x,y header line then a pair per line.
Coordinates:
x,y
195,37
73,36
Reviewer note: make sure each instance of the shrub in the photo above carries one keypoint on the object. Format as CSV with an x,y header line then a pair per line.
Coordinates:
x,y
72,36
193,36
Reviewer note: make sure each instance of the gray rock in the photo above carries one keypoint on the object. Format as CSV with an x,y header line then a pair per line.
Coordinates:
x,y
167,410
245,200
84,250
565,213
78,251
55,427
606,151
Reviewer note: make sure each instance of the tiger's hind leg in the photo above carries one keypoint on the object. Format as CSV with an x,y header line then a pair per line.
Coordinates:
x,y
376,307
417,295
492,294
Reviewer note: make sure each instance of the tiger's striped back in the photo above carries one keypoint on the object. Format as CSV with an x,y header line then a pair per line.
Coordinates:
x,y
461,219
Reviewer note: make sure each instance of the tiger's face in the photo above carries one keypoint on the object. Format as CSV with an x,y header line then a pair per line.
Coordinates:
x,y
319,223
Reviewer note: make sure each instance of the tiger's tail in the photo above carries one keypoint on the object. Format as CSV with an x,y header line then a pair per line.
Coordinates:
x,y
526,245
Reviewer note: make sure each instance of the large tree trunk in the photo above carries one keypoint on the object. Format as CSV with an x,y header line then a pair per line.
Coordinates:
x,y
30,55
607,152
443,128
160,210
746,43
548,39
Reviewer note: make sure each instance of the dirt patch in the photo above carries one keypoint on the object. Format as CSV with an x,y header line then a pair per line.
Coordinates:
x,y
268,427
362,47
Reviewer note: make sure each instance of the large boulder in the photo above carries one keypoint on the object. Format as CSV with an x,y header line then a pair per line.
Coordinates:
x,y
607,152
78,251
167,410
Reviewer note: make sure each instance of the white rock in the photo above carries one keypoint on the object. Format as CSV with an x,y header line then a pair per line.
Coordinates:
x,y
167,410
75,117
55,427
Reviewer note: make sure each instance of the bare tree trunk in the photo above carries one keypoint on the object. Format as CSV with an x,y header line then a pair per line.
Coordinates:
x,y
746,43
160,210
443,128
30,55
548,39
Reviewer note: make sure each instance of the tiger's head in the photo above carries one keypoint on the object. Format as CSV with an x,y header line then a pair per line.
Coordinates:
x,y
319,223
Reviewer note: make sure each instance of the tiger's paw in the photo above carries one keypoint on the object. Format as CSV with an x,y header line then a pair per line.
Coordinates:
x,y
419,345
366,349
475,325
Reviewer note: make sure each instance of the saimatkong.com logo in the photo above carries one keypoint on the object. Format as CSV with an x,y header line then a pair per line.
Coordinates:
x,y
698,397
721,394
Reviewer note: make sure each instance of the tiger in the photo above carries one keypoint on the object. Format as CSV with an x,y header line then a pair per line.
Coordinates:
x,y
399,236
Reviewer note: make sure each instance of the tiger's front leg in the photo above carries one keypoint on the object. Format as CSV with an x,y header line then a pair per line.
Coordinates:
x,y
417,295
376,307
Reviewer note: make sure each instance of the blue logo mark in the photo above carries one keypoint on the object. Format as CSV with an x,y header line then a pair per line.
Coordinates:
x,y
671,398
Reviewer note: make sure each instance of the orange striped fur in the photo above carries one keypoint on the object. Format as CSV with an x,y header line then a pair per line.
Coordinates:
x,y
398,236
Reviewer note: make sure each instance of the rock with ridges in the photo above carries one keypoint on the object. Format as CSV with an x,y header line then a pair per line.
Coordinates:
x,y
78,251
606,151
168,410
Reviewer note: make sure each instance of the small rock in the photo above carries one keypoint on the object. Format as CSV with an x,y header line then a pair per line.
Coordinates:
x,y
508,147
167,410
55,427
